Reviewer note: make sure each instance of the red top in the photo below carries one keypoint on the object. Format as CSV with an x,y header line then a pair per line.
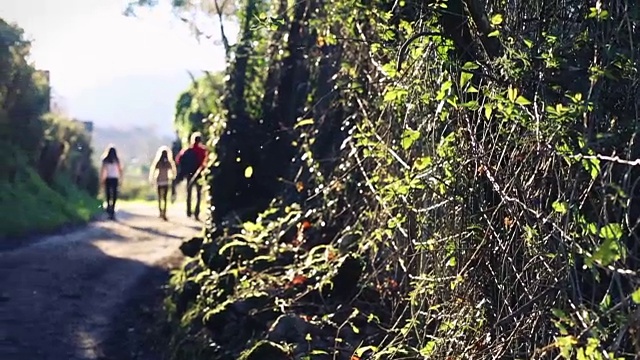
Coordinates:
x,y
199,150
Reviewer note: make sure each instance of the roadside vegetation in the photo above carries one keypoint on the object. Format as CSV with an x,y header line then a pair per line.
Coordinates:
x,y
47,179
402,180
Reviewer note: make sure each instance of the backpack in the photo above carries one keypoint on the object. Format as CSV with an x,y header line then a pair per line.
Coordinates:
x,y
188,164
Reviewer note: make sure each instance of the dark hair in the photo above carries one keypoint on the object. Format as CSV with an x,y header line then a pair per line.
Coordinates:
x,y
110,155
164,156
196,138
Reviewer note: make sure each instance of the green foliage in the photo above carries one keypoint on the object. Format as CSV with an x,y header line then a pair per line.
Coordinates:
x,y
46,174
489,166
198,104
24,96
35,207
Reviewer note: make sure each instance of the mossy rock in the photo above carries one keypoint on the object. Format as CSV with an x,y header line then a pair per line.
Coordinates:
x,y
236,251
288,235
226,285
264,350
253,302
191,247
344,283
211,257
216,319
187,295
286,258
289,328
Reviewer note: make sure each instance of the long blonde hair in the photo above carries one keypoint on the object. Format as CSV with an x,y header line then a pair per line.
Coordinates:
x,y
164,156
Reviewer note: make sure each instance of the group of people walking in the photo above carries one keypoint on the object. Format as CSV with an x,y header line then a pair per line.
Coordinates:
x,y
164,172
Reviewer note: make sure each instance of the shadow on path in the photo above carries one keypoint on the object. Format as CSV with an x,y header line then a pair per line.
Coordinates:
x,y
57,298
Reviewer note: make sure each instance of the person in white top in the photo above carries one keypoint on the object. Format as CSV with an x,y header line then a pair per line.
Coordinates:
x,y
111,176
161,172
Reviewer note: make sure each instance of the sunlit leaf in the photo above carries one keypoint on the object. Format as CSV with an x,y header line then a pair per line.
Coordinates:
x,y
487,111
496,19
304,122
248,172
512,93
470,66
635,296
609,251
528,43
360,351
521,100
560,206
394,94
464,78
422,163
428,349
611,231
409,136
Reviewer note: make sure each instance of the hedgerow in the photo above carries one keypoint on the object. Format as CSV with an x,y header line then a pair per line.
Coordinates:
x,y
449,179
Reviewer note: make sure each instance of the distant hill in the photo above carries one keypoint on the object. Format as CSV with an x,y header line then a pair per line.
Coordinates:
x,y
136,146
145,100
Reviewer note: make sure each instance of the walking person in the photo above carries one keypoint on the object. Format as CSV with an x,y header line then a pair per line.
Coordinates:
x,y
162,172
111,177
191,162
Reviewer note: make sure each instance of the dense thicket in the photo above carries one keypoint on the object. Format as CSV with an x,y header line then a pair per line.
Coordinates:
x,y
437,179
194,105
46,174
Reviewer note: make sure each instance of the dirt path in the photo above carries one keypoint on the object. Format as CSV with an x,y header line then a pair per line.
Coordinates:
x,y
58,296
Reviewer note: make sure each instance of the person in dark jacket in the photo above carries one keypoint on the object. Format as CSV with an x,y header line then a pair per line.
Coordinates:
x,y
191,162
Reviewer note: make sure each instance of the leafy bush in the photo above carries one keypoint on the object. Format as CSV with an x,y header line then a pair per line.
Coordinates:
x,y
36,208
478,159
46,176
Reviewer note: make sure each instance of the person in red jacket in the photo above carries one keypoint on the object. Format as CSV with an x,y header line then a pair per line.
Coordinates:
x,y
191,161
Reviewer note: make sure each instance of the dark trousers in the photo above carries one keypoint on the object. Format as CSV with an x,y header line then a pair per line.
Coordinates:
x,y
190,186
163,190
111,192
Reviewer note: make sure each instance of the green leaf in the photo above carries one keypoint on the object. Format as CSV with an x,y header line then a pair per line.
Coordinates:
x,y
560,206
521,100
470,66
464,78
607,253
488,109
409,136
512,93
592,166
494,33
395,94
635,296
451,262
303,122
558,313
496,19
528,43
360,351
428,349
248,172
422,163
611,231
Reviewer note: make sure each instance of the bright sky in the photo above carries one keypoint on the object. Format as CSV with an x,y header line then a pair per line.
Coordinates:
x,y
85,43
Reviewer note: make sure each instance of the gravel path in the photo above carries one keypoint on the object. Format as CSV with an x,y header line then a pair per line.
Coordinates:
x,y
60,294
